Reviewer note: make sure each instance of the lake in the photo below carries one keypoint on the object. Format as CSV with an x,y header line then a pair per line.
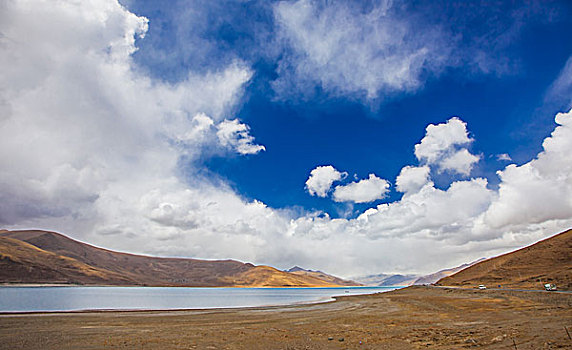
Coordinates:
x,y
32,299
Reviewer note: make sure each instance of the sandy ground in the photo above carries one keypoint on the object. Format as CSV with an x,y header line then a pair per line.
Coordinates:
x,y
411,318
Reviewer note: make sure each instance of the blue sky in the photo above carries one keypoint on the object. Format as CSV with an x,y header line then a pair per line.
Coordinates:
x,y
504,102
352,137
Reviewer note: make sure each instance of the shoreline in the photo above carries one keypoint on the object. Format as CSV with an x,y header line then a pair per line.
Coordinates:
x,y
324,300
408,318
331,294
237,308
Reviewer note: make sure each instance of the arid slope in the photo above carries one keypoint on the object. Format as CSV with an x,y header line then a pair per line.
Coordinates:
x,y
49,257
18,258
547,261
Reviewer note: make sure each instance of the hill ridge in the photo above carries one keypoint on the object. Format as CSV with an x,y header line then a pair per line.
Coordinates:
x,y
546,261
20,263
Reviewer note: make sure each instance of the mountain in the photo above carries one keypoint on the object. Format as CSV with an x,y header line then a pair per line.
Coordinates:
x,y
547,261
296,270
434,277
409,279
49,257
386,280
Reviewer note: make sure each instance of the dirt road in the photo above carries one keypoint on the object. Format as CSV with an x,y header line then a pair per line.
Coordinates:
x,y
411,318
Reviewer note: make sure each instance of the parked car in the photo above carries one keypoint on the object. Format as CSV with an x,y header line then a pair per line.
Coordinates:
x,y
482,286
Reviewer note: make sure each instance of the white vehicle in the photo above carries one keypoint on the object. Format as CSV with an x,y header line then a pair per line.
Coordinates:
x,y
482,286
549,286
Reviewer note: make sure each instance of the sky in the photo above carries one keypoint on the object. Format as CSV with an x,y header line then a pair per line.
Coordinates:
x,y
357,138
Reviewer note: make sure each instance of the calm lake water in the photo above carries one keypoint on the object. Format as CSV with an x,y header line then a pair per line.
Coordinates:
x,y
19,299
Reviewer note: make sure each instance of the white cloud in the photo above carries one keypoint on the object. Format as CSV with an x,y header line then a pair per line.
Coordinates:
x,y
411,179
321,179
93,146
461,162
540,190
431,212
363,191
440,138
504,157
441,144
375,50
467,220
561,89
232,133
347,49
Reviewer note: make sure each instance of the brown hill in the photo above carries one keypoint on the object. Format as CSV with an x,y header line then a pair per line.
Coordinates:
x,y
18,258
266,275
49,257
547,261
296,270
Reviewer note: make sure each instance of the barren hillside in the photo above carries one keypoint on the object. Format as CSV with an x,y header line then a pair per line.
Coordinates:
x,y
548,261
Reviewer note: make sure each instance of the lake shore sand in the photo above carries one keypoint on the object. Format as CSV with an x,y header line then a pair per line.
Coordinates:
x,y
410,318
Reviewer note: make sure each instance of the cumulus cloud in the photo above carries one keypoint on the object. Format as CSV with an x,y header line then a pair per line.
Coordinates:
x,y
461,162
431,212
232,133
440,138
363,191
468,218
93,146
321,179
441,144
411,179
540,190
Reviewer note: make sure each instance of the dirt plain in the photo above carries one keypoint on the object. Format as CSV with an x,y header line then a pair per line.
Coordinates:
x,y
411,318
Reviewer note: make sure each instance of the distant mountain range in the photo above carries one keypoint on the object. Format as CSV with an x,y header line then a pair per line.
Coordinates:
x,y
384,280
434,277
42,257
410,279
547,261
